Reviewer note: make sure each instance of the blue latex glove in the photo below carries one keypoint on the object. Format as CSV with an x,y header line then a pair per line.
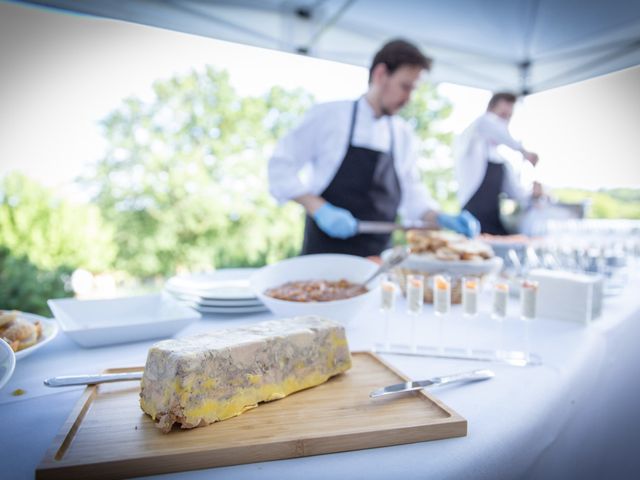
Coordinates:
x,y
335,221
464,223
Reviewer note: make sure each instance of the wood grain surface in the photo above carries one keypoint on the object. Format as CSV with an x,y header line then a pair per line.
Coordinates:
x,y
108,436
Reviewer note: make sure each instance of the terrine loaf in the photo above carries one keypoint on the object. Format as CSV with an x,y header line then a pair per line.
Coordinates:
x,y
199,380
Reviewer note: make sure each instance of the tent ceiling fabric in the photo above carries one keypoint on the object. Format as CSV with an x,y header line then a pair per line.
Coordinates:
x,y
519,45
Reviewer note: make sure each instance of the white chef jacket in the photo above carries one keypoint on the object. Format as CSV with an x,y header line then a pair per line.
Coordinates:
x,y
475,147
307,158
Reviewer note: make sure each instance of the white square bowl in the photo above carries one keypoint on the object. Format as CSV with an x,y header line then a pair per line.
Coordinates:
x,y
92,323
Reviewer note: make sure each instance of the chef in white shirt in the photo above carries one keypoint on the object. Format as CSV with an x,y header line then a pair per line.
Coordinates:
x,y
356,160
481,172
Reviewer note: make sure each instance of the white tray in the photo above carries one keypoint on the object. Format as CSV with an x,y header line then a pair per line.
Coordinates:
x,y
428,263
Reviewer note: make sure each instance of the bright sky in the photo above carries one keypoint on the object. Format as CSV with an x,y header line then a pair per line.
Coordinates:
x,y
62,73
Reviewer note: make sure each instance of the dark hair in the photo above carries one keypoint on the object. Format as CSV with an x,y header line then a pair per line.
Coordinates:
x,y
397,53
501,97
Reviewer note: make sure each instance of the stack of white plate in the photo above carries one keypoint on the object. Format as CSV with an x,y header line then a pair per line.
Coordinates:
x,y
223,291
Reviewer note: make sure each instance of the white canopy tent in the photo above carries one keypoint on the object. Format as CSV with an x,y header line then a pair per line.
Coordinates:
x,y
519,45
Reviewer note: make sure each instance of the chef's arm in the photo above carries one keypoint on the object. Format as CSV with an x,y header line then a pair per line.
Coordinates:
x,y
512,187
464,222
311,203
416,196
417,202
430,218
496,130
334,221
530,156
292,153
537,191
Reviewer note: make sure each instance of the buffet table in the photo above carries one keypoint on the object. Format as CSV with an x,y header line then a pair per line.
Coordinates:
x,y
575,416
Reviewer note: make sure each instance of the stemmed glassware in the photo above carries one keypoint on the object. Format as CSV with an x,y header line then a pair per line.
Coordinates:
x,y
415,303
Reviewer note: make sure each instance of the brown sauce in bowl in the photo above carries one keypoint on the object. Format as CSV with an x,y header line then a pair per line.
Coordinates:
x,y
316,290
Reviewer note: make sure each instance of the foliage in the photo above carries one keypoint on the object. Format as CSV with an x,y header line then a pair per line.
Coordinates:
x,y
51,231
24,286
605,203
184,179
425,113
624,194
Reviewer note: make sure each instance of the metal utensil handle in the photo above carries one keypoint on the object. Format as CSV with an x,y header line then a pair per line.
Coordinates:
x,y
377,227
398,256
515,260
69,380
475,375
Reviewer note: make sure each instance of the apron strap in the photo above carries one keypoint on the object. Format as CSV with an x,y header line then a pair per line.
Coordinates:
x,y
353,121
391,136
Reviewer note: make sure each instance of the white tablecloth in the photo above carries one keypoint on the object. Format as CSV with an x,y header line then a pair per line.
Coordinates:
x,y
576,416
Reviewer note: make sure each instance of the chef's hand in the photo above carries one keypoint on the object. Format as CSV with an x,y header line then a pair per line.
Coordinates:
x,y
464,223
335,221
537,191
532,157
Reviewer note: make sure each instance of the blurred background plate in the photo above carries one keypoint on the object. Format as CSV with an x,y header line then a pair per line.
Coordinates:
x,y
206,302
227,284
7,362
49,331
229,310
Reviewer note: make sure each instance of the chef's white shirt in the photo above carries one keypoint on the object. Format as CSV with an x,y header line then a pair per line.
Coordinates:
x,y
307,158
478,145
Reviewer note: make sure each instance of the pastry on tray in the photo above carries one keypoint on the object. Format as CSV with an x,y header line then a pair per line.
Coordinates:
x,y
18,332
448,246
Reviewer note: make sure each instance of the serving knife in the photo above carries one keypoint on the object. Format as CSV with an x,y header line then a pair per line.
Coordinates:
x,y
472,376
366,226
70,380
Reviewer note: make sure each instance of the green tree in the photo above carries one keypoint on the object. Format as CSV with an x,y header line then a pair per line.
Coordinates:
x,y
52,232
605,203
184,178
425,114
25,287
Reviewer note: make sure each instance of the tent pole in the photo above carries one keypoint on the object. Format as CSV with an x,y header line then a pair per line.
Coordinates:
x,y
324,27
524,69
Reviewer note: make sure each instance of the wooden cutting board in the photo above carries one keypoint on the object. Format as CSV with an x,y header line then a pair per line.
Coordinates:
x,y
108,436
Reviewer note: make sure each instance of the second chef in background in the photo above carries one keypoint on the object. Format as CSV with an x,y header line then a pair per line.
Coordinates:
x,y
482,173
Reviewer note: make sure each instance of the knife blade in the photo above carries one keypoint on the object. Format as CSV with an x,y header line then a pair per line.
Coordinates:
x,y
472,376
366,226
69,380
